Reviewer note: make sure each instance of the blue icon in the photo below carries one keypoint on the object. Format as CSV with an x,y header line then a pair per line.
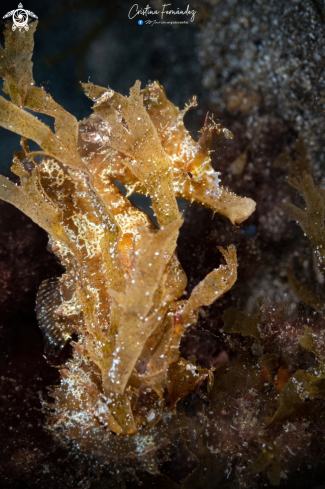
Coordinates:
x,y
140,22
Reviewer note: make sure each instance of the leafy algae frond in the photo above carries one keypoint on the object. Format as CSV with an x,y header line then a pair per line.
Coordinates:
x,y
265,408
120,292
311,219
258,419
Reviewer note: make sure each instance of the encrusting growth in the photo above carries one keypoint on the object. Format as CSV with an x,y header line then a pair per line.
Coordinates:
x,y
121,289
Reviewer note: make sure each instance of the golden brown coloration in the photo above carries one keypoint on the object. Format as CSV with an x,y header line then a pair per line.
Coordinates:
x,y
192,174
122,282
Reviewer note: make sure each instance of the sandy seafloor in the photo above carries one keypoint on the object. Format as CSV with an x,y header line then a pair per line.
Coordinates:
x,y
259,66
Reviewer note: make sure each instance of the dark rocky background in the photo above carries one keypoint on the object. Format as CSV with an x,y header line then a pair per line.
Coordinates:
x,y
228,58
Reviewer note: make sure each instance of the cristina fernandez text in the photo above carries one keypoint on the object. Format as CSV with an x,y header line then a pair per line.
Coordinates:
x,y
135,10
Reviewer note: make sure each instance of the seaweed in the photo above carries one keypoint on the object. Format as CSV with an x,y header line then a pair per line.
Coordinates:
x,y
260,410
127,398
121,290
311,219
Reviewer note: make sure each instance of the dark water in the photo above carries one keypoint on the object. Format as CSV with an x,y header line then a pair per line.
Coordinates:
x,y
260,68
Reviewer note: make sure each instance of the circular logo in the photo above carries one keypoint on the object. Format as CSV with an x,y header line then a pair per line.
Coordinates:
x,y
140,22
20,18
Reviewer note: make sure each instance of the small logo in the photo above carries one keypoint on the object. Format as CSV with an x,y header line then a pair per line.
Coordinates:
x,y
140,22
20,18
